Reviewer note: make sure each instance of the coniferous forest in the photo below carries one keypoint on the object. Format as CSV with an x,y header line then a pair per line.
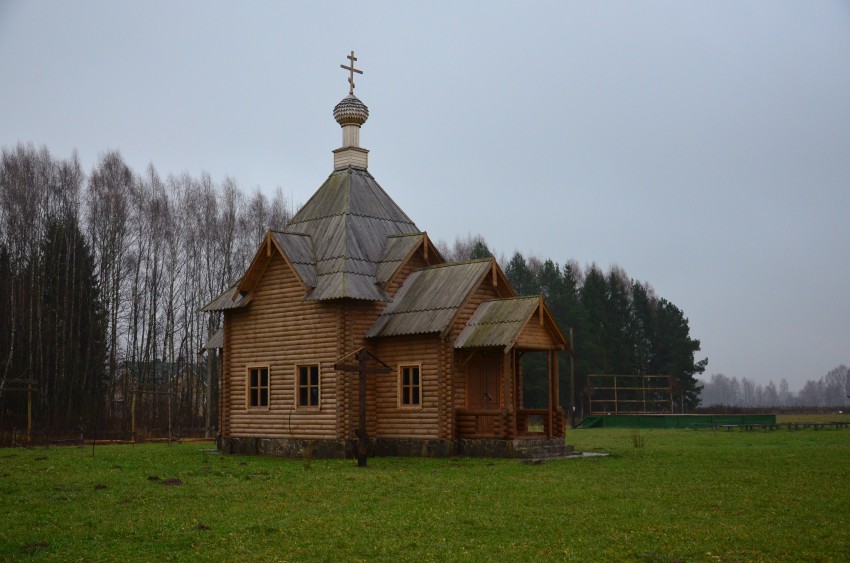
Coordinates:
x,y
620,326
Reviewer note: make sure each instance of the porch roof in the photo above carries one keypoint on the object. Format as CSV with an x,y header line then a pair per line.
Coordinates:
x,y
501,323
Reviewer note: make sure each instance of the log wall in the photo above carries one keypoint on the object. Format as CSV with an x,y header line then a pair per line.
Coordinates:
x,y
392,421
459,360
282,331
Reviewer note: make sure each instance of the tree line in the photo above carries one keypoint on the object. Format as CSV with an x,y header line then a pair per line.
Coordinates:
x,y
101,280
831,390
620,325
103,275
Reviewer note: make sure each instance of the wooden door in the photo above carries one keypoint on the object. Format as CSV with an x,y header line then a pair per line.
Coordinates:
x,y
483,392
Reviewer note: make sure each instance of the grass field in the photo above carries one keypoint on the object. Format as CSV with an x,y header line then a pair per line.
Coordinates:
x,y
685,495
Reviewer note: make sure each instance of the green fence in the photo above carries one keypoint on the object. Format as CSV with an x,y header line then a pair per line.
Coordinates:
x,y
673,420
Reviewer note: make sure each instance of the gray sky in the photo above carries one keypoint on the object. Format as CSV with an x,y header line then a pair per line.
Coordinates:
x,y
702,146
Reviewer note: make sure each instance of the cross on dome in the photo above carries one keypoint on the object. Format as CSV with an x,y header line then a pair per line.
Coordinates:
x,y
352,70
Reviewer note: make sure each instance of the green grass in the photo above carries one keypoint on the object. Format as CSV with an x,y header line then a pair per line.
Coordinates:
x,y
684,495
785,418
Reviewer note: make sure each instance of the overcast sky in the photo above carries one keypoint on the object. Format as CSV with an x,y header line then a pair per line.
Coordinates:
x,y
704,147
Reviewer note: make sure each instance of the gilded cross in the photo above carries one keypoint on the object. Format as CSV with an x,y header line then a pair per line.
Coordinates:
x,y
352,70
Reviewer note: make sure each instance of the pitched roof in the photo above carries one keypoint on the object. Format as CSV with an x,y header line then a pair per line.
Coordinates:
x,y
299,249
429,299
215,341
348,220
497,323
396,251
229,299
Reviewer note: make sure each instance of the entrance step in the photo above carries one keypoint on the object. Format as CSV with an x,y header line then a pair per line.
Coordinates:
x,y
543,449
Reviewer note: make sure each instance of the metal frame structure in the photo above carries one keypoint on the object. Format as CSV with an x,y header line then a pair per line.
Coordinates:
x,y
630,394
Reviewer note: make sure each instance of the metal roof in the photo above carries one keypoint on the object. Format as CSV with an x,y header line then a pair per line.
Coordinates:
x,y
397,248
497,323
299,249
226,300
429,299
216,340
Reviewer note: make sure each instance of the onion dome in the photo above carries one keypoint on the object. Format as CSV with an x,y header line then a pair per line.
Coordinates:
x,y
351,111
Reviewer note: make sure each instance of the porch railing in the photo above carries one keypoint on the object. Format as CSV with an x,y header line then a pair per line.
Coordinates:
x,y
535,422
494,423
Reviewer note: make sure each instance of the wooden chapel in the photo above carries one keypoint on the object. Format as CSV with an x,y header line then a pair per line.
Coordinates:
x,y
352,274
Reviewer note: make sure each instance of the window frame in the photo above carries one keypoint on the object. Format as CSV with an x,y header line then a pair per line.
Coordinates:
x,y
318,386
268,387
401,387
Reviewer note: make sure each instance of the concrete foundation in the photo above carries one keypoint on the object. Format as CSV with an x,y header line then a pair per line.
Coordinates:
x,y
392,447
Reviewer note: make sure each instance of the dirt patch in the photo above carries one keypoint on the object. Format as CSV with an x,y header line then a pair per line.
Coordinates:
x,y
36,545
173,482
100,487
153,478
202,527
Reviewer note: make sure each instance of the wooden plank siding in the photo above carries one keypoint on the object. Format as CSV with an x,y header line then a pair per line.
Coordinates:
x,y
535,336
282,331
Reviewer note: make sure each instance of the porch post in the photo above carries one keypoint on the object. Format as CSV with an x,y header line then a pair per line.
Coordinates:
x,y
507,378
556,392
549,431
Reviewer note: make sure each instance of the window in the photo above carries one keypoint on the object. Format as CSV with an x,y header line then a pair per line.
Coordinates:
x,y
258,386
308,386
409,387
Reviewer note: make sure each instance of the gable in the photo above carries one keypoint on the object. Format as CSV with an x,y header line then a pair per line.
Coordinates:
x,y
524,322
403,255
297,248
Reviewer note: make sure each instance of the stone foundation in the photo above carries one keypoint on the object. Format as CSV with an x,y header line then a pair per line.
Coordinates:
x,y
387,447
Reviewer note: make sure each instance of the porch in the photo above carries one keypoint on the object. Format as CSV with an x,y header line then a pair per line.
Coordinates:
x,y
493,406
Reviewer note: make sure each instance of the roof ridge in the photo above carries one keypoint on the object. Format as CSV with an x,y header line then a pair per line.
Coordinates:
x,y
285,232
450,264
400,235
346,272
331,258
348,214
417,311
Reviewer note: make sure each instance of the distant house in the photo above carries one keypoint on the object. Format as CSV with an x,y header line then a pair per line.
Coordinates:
x,y
352,272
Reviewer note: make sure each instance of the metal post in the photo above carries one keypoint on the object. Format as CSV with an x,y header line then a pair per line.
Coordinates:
x,y
572,383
